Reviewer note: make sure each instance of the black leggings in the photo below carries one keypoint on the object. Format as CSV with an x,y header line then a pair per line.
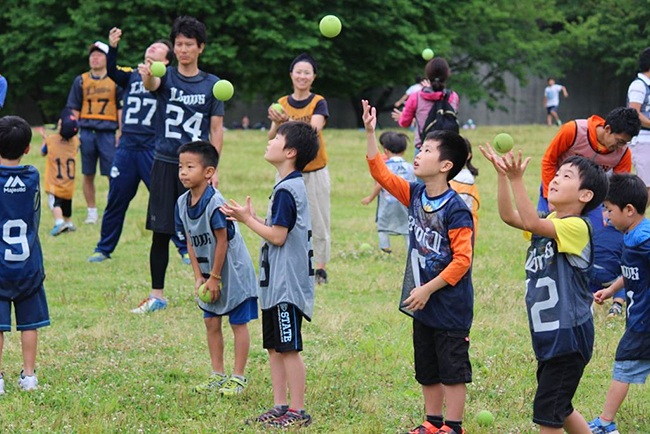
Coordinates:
x,y
158,259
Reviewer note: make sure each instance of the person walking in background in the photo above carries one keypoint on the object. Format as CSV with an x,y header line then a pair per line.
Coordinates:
x,y
552,100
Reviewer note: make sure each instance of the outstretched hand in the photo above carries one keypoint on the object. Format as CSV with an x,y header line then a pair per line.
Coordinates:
x,y
114,37
490,154
515,167
240,213
369,116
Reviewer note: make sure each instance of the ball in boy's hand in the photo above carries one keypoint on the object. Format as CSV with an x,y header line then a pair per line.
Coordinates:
x,y
223,90
330,26
503,143
205,298
427,54
277,107
485,418
158,69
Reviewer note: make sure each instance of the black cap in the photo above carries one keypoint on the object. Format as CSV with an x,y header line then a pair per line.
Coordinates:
x,y
304,57
69,124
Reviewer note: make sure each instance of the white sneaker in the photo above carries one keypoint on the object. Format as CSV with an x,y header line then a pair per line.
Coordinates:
x,y
27,382
91,219
2,385
70,226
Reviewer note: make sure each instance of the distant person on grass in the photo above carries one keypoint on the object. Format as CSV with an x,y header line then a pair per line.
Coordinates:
x,y
286,269
220,260
638,98
306,106
21,264
626,204
603,141
558,298
552,100
437,289
415,87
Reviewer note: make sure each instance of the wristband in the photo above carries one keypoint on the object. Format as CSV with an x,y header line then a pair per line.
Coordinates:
x,y
215,276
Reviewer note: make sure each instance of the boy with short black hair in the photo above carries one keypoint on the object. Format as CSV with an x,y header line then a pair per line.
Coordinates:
x,y
558,298
60,168
626,204
21,265
286,269
217,253
437,290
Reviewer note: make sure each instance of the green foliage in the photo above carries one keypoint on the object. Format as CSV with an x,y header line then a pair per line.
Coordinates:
x,y
44,42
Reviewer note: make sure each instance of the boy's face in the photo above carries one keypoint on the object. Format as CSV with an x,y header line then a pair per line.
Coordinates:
x,y
614,141
187,50
427,163
551,82
565,189
275,152
621,219
191,171
157,52
302,75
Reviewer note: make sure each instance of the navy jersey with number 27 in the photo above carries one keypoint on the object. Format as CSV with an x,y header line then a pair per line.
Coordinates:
x,y
21,259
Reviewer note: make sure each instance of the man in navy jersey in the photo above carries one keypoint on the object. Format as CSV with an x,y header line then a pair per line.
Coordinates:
x,y
21,258
187,112
134,156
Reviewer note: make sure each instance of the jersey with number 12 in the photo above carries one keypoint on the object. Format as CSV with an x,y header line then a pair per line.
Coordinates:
x,y
21,259
185,108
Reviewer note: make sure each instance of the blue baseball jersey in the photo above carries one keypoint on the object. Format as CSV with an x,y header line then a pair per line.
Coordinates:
x,y
558,298
429,223
21,258
185,108
608,248
635,267
138,106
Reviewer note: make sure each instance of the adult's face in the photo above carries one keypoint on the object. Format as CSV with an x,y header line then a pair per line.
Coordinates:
x,y
97,60
302,76
187,50
157,52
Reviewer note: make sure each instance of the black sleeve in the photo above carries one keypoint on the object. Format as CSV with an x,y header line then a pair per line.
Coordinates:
x,y
121,78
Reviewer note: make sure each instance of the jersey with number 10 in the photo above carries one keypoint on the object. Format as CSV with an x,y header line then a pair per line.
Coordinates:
x,y
185,106
558,299
21,259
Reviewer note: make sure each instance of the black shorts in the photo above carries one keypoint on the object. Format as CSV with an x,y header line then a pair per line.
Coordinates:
x,y
441,356
557,381
164,191
550,109
64,204
282,328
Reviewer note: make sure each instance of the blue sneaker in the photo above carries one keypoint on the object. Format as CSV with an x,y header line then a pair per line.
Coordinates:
x,y
98,257
59,229
150,304
186,259
596,426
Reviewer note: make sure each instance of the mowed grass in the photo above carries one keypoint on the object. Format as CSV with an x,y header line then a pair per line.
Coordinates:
x,y
103,369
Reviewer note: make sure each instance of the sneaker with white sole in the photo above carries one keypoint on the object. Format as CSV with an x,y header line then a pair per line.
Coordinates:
x,y
58,229
234,386
597,427
98,257
2,384
70,226
212,384
27,382
150,304
186,259
91,219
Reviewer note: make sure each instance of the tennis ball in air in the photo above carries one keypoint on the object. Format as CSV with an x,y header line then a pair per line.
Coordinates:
x,y
205,298
330,26
503,143
427,54
223,90
277,107
158,69
485,418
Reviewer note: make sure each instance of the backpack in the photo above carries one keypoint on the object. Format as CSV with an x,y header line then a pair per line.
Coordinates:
x,y
442,116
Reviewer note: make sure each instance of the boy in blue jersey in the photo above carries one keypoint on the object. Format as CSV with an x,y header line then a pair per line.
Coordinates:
x,y
134,155
608,247
437,290
21,258
626,204
286,269
187,111
218,254
558,298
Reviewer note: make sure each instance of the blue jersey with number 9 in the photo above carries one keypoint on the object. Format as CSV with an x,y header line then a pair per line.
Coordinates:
x,y
185,106
21,259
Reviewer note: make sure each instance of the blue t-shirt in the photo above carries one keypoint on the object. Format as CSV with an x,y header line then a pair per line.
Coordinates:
x,y
608,248
75,100
3,91
635,267
185,108
138,106
284,209
217,219
21,258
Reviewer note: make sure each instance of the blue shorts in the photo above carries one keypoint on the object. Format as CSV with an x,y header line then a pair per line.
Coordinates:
x,y
550,109
96,144
631,371
31,313
242,314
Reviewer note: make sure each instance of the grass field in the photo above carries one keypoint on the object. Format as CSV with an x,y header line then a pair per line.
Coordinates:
x,y
105,370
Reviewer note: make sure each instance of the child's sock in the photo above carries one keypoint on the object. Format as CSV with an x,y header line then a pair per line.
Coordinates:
x,y
282,408
605,421
92,211
218,373
58,222
435,420
456,425
241,377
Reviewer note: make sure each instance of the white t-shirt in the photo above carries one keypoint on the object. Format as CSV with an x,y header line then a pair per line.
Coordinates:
x,y
638,93
414,88
553,95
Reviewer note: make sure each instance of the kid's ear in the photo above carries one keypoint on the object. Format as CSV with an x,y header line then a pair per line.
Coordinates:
x,y
586,196
209,171
291,152
629,210
27,150
447,165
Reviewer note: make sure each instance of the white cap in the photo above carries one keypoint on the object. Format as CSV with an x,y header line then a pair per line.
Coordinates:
x,y
98,45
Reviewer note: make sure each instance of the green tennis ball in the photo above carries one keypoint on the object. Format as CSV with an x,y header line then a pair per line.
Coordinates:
x,y
205,298
223,90
485,418
277,107
427,54
503,143
158,69
330,26
365,247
